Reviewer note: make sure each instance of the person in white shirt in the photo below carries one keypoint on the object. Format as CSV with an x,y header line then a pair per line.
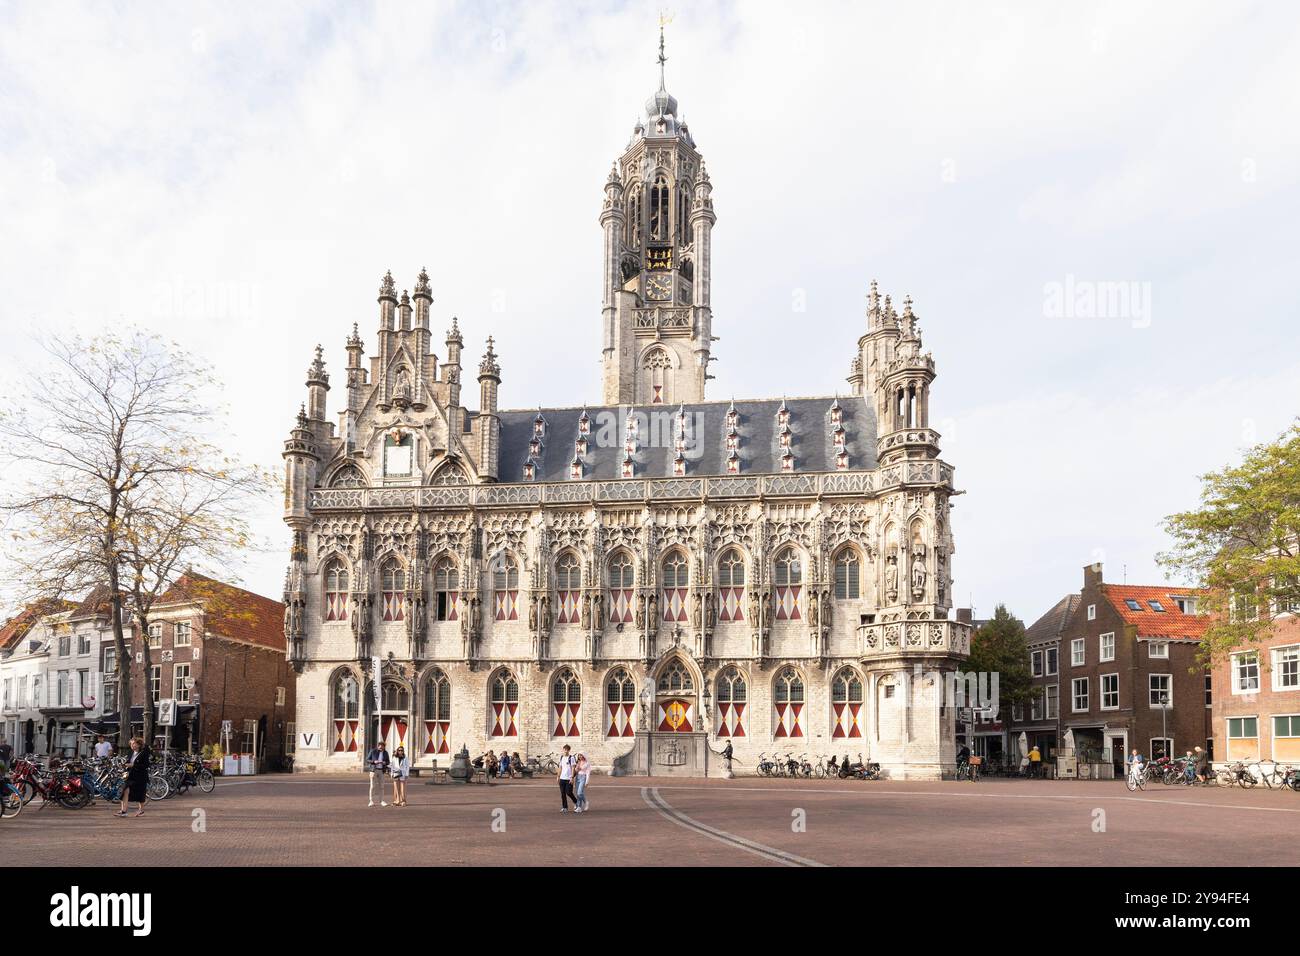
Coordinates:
x,y
401,770
566,780
582,773
103,748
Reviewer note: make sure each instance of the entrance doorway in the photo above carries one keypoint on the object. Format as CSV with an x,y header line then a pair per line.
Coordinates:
x,y
392,723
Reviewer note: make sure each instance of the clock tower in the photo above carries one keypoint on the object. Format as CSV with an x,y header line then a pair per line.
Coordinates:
x,y
657,221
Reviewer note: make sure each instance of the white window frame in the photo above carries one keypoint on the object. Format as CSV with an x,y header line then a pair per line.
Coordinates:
x,y
179,690
1051,661
248,740
1036,663
279,696
1102,692
83,644
1168,748
1161,646
1052,701
1293,654
155,636
1168,680
1237,688
1101,647
1227,726
155,681
1036,705
1079,652
1075,696
1092,612
290,738
182,634
1209,692
1274,736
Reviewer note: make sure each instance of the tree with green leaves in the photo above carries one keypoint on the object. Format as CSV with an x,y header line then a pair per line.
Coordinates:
x,y
1241,545
998,647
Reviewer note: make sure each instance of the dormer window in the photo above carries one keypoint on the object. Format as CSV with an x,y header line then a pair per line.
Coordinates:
x,y
679,465
837,413
629,467
733,440
530,471
733,464
839,436
785,437
629,427
584,424
842,461
580,447
733,418
539,426
787,462
783,415
1132,604
535,447
575,469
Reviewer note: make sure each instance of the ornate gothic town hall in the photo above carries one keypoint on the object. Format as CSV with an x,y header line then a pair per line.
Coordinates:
x,y
645,578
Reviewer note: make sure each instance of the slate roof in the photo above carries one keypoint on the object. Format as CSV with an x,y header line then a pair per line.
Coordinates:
x,y
706,453
1048,628
17,627
1171,623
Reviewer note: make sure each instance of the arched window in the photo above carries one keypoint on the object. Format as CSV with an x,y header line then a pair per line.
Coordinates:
x,y
846,703
566,701
789,578
676,679
450,474
731,586
634,216
620,704
505,705
675,575
683,214
568,588
347,714
393,587
659,208
437,714
336,590
505,589
732,694
349,476
657,365
787,692
621,588
848,575
446,589
395,696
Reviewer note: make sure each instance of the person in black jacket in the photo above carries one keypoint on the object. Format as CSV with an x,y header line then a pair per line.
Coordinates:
x,y
137,778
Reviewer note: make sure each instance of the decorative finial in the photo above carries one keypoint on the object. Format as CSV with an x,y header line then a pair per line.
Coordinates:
x,y
664,20
387,287
489,365
422,282
316,373
354,340
302,416
453,334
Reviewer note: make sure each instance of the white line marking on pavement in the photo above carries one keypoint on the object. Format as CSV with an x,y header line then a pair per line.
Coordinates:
x,y
656,802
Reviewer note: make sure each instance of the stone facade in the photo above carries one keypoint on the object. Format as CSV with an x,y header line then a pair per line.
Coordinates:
x,y
645,579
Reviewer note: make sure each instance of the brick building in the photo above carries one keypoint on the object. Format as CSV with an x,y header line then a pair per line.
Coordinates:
x,y
218,650
1121,672
1256,710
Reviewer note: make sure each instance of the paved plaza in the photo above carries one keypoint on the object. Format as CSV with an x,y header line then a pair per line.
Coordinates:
x,y
315,821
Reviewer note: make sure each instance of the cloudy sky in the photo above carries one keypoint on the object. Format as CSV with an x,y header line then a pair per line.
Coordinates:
x,y
1093,208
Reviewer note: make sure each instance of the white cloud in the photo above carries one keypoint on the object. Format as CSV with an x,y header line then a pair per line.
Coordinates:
x,y
240,176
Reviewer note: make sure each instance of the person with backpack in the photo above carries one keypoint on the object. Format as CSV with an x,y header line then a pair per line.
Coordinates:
x,y
582,771
567,769
379,763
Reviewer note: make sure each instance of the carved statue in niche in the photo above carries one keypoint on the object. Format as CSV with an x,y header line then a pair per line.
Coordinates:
x,y
813,601
918,571
891,577
475,614
545,612
532,613
640,612
652,613
697,610
710,611
827,607
753,607
586,610
598,610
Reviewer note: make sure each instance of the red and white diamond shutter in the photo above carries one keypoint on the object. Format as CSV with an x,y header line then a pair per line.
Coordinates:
x,y
675,716
731,694
676,581
505,705
335,575
566,703
345,735
788,694
731,586
846,704
620,704
446,582
393,729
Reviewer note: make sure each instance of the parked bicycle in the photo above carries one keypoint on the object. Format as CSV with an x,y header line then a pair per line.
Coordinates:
x,y
1238,774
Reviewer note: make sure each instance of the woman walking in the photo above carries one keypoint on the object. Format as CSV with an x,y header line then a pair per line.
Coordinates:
x,y
401,770
582,770
137,778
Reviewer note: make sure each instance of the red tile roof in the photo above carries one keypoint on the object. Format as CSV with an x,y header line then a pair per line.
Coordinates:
x,y
1172,624
17,627
94,604
230,611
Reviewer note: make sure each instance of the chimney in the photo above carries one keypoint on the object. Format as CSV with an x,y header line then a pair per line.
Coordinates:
x,y
963,615
1092,576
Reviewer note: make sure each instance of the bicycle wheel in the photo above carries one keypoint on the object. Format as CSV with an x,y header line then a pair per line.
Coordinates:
x,y
1248,780
157,789
207,782
821,772
11,804
1131,782
75,800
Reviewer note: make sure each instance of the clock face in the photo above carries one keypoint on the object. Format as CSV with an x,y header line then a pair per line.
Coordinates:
x,y
658,287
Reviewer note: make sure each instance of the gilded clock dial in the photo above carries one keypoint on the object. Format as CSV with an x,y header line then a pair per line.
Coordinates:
x,y
658,287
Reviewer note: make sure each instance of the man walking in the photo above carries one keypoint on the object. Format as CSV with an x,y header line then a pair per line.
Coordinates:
x,y
566,780
378,762
103,748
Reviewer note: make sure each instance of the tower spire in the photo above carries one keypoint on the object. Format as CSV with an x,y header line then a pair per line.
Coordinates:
x,y
664,20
